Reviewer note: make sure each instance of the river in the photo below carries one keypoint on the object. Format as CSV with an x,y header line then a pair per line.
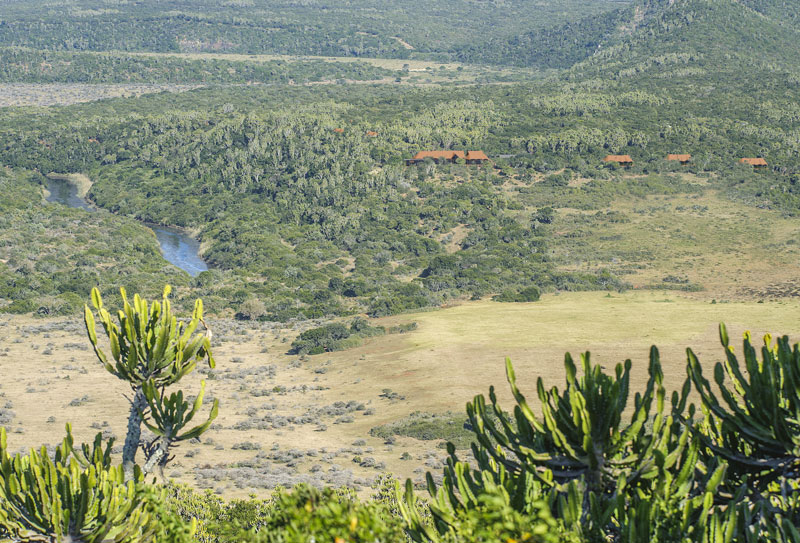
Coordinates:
x,y
178,248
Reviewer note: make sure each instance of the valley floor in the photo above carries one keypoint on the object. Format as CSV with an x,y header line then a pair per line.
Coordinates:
x,y
284,419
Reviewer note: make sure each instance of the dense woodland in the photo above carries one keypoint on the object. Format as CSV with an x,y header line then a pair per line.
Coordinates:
x,y
314,222
31,66
387,29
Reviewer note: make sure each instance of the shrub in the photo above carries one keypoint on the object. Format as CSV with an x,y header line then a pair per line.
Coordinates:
x,y
334,337
298,516
451,427
80,496
528,294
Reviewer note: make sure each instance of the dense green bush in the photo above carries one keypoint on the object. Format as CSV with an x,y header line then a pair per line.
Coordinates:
x,y
334,337
289,516
450,427
528,294
662,475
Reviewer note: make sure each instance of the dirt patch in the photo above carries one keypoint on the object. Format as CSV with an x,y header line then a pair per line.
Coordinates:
x,y
404,43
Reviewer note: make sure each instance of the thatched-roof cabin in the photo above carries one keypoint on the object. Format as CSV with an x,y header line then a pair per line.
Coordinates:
x,y
622,160
683,159
754,162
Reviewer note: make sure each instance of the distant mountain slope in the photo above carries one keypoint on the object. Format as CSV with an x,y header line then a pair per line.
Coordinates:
x,y
376,28
559,47
783,11
717,35
714,30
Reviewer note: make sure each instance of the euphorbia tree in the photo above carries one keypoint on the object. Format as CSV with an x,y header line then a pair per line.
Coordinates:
x,y
582,433
151,350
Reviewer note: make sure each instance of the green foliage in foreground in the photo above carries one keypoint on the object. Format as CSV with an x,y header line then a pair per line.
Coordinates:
x,y
665,476
78,495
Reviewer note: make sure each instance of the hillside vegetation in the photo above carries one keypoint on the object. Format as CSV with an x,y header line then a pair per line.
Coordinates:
x,y
359,28
316,222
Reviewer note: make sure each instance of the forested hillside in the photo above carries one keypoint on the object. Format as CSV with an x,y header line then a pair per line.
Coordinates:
x,y
301,197
316,222
720,36
725,33
387,28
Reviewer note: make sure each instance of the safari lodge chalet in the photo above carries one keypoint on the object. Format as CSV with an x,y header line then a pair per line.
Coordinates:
x,y
683,159
449,157
757,163
622,160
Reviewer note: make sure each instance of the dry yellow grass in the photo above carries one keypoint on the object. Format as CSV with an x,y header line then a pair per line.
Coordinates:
x,y
454,354
732,250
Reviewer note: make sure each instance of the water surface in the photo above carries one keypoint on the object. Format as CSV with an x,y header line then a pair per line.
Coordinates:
x,y
62,191
177,247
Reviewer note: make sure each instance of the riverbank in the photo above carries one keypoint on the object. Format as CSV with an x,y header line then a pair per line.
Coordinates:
x,y
80,181
179,247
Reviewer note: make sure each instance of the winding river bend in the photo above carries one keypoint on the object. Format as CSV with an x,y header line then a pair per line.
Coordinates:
x,y
177,246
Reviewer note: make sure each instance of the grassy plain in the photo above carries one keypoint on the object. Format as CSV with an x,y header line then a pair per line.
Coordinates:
x,y
270,397
701,242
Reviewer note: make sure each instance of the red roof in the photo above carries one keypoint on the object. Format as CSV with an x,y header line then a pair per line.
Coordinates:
x,y
680,158
754,161
622,159
476,155
338,130
439,154
371,134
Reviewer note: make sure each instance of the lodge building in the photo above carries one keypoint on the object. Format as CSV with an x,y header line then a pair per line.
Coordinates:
x,y
449,157
683,159
757,163
622,160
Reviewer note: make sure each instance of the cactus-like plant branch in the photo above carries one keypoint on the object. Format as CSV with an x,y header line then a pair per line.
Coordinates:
x,y
168,416
754,421
581,433
74,496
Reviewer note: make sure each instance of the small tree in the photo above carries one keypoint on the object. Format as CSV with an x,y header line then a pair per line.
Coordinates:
x,y
151,350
